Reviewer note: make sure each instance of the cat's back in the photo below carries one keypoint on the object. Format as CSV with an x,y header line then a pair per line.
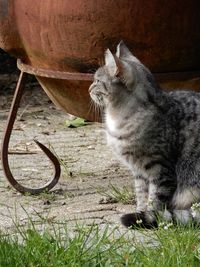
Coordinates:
x,y
188,124
186,96
189,106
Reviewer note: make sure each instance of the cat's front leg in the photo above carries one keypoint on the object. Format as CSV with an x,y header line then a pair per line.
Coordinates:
x,y
153,202
141,191
161,191
148,202
155,205
139,218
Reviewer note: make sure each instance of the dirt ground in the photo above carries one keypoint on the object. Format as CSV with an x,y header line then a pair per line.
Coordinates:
x,y
88,168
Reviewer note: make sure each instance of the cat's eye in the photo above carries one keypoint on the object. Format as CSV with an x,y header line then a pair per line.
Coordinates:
x,y
118,79
96,81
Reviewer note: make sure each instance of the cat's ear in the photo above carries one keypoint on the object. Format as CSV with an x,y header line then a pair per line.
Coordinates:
x,y
124,53
111,64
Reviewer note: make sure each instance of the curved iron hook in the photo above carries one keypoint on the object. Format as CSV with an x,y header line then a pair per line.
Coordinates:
x,y
5,144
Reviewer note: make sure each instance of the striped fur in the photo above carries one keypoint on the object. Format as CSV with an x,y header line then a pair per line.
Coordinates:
x,y
155,134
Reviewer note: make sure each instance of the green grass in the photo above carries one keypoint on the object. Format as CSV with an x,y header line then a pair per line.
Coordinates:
x,y
61,161
117,194
90,246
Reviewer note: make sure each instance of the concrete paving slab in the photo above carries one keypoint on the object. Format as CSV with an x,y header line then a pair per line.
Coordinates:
x,y
88,167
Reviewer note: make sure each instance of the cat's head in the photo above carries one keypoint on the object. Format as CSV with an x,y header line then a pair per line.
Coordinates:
x,y
122,72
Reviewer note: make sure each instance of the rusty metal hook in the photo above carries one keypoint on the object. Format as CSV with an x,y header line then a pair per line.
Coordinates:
x,y
5,144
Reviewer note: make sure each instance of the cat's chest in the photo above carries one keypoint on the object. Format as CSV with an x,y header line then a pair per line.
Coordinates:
x,y
124,132
112,132
119,127
117,131
111,124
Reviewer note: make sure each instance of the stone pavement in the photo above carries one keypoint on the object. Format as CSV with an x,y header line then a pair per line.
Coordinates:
x,y
88,167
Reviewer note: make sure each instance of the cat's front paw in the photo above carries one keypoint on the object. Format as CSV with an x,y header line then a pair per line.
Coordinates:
x,y
139,220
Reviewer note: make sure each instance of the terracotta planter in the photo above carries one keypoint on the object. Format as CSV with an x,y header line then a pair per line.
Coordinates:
x,y
71,36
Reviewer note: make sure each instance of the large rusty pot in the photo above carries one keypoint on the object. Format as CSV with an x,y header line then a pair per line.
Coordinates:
x,y
71,36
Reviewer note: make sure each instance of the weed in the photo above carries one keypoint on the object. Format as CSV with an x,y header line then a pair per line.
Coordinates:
x,y
115,194
61,161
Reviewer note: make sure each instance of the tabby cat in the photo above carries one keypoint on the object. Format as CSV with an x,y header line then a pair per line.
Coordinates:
x,y
155,133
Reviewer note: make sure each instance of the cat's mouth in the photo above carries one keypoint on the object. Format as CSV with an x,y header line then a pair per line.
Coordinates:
x,y
97,98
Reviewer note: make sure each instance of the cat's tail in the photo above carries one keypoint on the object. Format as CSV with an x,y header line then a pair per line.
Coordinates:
x,y
186,216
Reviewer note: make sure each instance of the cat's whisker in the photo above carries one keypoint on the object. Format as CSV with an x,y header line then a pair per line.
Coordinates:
x,y
101,112
98,113
95,113
96,108
90,110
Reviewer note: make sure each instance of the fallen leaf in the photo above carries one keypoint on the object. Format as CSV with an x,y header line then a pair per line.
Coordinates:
x,y
78,122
